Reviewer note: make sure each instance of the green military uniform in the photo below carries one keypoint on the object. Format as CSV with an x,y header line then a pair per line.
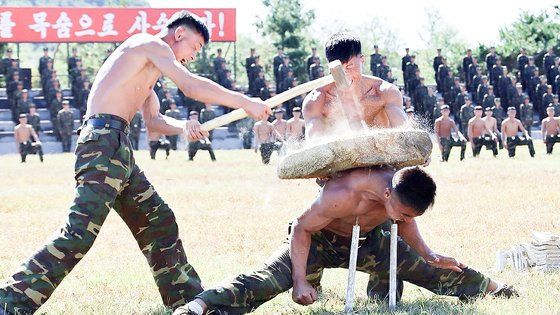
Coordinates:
x,y
207,115
513,142
35,122
467,112
488,142
328,250
526,116
65,120
54,107
557,110
174,113
500,115
107,177
135,127
23,106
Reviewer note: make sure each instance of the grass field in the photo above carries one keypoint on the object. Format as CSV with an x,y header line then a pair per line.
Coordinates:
x,y
233,213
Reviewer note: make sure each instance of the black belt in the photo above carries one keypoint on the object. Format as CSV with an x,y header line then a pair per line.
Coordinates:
x,y
107,123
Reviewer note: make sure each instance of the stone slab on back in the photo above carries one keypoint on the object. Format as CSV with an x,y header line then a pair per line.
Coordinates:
x,y
396,147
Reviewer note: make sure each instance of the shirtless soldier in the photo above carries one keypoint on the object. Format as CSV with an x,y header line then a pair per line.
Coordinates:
x,y
280,124
107,176
550,130
492,124
23,134
478,134
295,130
156,142
443,127
378,102
320,238
265,139
510,138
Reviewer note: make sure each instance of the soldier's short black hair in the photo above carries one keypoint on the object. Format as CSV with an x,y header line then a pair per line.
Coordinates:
x,y
414,188
342,46
191,21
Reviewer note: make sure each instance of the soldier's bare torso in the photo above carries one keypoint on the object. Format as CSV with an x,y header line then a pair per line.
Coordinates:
x,y
264,131
478,127
445,127
490,123
124,81
295,129
551,125
23,133
367,206
280,126
511,127
369,104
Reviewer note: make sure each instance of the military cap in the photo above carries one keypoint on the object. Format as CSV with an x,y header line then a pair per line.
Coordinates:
x,y
45,48
78,59
444,106
525,97
550,107
9,50
24,91
375,46
478,107
497,99
32,105
518,85
296,109
511,108
467,98
172,101
490,87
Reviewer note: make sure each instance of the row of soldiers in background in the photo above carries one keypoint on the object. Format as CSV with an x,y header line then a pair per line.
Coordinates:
x,y
79,81
14,86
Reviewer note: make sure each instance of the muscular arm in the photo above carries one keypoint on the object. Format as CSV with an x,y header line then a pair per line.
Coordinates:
x,y
437,131
504,133
314,124
393,108
454,128
192,85
332,203
156,122
411,235
520,126
34,134
470,132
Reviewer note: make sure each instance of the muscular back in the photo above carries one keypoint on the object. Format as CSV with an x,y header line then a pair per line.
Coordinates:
x,y
126,78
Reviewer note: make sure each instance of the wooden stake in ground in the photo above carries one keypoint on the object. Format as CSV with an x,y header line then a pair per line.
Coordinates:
x,y
349,306
393,268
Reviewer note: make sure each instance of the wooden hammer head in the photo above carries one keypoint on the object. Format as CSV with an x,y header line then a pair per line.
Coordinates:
x,y
338,74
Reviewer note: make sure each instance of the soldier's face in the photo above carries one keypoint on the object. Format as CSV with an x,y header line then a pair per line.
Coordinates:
x,y
395,209
187,44
550,112
511,113
353,68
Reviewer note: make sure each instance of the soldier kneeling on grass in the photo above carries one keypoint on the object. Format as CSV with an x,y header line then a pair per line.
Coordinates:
x,y
320,238
480,135
443,128
156,142
510,128
550,129
27,139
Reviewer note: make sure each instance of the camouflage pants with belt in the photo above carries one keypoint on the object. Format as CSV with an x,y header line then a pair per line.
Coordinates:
x,y
513,142
248,291
106,177
448,143
550,141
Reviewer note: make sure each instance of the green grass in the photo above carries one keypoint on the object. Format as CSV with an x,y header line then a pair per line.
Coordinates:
x,y
233,213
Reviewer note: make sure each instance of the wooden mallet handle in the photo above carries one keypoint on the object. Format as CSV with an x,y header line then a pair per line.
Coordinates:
x,y
271,102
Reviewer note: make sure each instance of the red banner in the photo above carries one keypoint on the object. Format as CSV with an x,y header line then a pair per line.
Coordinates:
x,y
56,25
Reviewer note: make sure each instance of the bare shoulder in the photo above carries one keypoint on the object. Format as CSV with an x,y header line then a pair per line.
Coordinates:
x,y
440,119
147,43
314,101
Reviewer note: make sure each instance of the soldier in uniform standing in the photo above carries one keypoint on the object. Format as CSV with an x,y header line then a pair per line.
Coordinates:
x,y
546,99
517,95
249,61
550,129
254,71
491,59
458,103
482,90
429,105
472,72
207,114
283,71
548,62
404,61
510,129
495,73
489,97
437,62
522,61
443,127
504,81
6,62
526,115
65,120
528,74
73,61
442,73
44,59
173,112
420,94
24,134
466,113
156,142
134,132
540,90
498,112
265,139
467,62
34,119
218,62
312,59
375,61
23,102
276,62
384,68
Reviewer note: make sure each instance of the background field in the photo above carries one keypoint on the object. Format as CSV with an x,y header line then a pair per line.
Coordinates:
x,y
233,213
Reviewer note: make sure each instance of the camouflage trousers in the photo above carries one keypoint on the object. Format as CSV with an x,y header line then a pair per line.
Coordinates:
x,y
486,141
550,141
160,144
267,148
106,177
26,148
513,142
448,143
246,292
